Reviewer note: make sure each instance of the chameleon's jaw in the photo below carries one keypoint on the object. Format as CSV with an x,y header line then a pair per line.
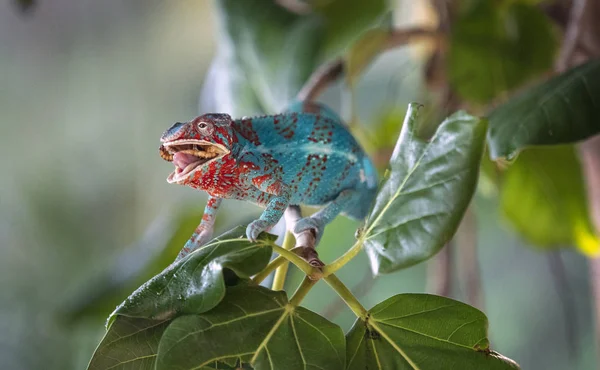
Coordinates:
x,y
190,155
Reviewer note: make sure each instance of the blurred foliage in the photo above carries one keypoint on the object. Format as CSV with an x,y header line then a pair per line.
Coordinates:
x,y
498,45
561,110
543,195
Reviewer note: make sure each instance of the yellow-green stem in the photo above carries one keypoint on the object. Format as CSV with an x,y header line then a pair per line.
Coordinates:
x,y
280,274
346,296
302,290
258,278
344,259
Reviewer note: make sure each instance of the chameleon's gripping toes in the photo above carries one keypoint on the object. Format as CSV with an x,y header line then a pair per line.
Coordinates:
x,y
277,162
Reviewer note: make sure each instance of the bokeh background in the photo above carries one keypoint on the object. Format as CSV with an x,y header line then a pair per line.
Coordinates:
x,y
86,89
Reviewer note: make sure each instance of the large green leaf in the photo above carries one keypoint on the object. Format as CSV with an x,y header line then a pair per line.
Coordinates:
x,y
258,326
496,47
426,191
543,195
421,331
561,110
346,20
266,49
196,283
130,343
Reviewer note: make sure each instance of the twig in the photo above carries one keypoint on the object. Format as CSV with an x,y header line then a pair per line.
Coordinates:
x,y
328,73
359,290
281,272
571,35
590,158
295,6
466,240
565,295
439,272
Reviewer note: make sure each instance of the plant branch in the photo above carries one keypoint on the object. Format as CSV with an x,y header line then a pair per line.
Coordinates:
x,y
312,272
280,274
302,291
328,73
571,35
347,296
359,290
258,278
343,259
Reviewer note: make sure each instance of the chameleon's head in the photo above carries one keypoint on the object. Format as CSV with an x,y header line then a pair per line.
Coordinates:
x,y
193,145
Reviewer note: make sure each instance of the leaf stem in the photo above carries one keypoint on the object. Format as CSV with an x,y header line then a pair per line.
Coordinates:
x,y
296,260
258,278
343,259
280,274
302,290
347,296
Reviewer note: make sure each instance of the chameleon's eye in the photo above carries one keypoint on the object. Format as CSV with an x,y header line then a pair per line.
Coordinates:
x,y
202,125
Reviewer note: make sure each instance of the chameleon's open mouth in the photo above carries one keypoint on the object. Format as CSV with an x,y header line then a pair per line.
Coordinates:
x,y
189,155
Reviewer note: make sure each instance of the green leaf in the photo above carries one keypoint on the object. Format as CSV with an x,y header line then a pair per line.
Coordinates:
x,y
421,331
266,49
426,191
495,48
362,52
561,110
543,196
130,343
196,283
346,20
258,326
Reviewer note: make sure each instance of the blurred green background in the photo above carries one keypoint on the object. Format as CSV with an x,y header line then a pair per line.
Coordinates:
x,y
86,89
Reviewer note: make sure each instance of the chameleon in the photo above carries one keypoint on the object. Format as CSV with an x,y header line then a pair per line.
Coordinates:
x,y
303,156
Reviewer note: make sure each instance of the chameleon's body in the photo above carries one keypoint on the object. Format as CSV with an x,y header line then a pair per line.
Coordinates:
x,y
275,162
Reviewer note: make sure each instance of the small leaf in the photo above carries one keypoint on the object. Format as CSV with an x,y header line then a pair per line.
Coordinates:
x,y
561,110
259,327
426,192
130,343
543,196
421,331
496,47
196,283
362,52
346,20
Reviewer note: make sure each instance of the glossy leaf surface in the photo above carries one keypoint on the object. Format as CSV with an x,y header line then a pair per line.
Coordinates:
x,y
425,332
196,283
426,191
130,343
561,110
258,326
543,196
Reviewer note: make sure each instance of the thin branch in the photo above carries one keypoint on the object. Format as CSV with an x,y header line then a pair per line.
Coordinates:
x,y
572,35
439,272
466,240
359,290
295,6
566,298
328,73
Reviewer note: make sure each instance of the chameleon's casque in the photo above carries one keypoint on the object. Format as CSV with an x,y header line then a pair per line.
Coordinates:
x,y
303,156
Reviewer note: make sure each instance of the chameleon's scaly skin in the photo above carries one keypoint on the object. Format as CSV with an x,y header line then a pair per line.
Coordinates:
x,y
303,156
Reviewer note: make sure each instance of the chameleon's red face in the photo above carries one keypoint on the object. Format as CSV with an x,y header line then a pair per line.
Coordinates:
x,y
193,145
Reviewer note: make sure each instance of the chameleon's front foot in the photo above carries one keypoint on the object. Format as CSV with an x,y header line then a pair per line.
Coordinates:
x,y
255,228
